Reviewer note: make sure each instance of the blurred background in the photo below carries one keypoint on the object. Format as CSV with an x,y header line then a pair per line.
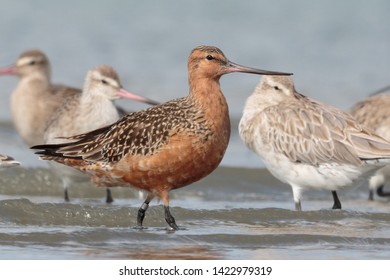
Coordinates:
x,y
337,50
339,54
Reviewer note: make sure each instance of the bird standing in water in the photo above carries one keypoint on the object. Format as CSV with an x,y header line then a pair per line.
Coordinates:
x,y
373,112
308,144
92,109
164,147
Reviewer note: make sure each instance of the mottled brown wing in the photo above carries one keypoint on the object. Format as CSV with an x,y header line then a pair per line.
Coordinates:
x,y
140,133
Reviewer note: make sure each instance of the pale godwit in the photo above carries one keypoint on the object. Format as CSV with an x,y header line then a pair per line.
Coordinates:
x,y
92,109
34,99
308,144
164,147
374,113
7,161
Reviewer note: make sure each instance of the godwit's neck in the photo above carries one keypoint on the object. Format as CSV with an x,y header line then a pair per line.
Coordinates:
x,y
36,82
98,108
38,75
207,96
207,92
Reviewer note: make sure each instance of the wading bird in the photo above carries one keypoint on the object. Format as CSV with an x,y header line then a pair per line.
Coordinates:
x,y
164,147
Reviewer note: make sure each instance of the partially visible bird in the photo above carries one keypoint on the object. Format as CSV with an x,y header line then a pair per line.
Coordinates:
x,y
35,98
93,108
308,144
7,161
164,147
374,113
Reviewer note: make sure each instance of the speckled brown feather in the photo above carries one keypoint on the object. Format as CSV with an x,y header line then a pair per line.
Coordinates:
x,y
141,133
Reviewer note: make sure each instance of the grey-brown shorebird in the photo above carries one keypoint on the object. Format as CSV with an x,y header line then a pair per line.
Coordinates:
x,y
374,113
35,98
308,144
92,109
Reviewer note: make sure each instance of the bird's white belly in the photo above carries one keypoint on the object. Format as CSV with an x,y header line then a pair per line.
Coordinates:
x,y
329,176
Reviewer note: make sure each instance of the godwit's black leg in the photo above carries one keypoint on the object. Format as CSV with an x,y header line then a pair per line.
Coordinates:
x,y
169,218
371,195
298,206
337,203
142,210
109,198
66,195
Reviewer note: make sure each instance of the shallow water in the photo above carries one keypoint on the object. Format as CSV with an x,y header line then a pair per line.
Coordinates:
x,y
338,54
235,213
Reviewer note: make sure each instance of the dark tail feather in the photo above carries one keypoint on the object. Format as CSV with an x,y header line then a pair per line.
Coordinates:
x,y
49,149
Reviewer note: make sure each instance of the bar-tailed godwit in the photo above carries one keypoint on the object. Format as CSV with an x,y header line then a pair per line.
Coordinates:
x,y
34,99
92,109
308,144
374,113
164,147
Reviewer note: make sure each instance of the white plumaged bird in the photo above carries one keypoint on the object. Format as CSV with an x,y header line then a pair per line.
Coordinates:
x,y
308,144
92,109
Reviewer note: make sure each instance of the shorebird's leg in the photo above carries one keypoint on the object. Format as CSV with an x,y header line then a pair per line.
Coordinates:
x,y
337,203
142,210
66,183
297,194
109,198
168,216
382,193
298,206
66,195
371,195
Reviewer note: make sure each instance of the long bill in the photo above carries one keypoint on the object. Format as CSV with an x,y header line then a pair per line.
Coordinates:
x,y
234,67
10,70
126,94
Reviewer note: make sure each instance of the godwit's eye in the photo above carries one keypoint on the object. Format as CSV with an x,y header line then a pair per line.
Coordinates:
x,y
276,88
32,62
209,57
104,82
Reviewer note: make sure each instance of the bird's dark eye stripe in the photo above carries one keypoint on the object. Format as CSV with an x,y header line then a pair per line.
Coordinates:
x,y
104,82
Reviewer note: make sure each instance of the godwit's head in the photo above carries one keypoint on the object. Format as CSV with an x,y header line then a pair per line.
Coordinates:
x,y
29,63
275,88
270,91
210,62
103,81
276,85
